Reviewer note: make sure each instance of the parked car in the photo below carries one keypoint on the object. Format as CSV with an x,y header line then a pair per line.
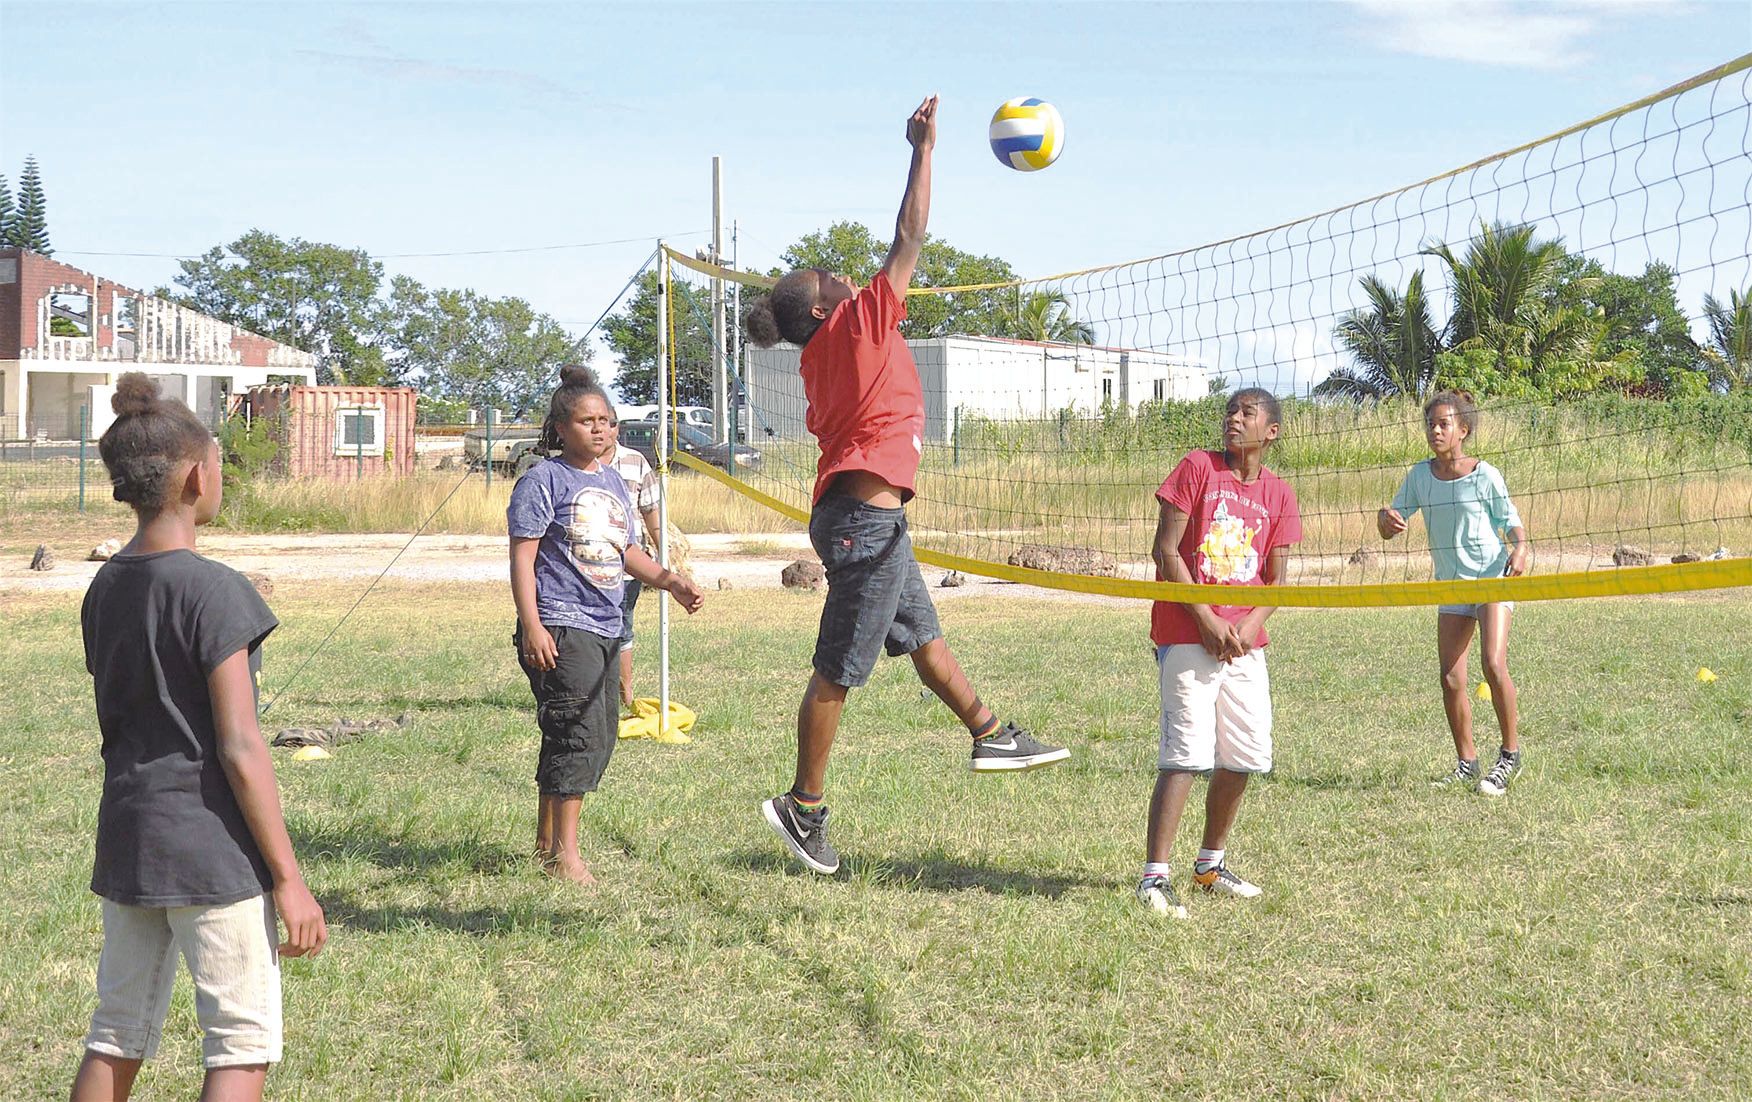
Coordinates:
x,y
641,436
514,449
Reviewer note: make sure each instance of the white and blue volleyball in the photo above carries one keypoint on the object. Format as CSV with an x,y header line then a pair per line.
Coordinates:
x,y
1027,133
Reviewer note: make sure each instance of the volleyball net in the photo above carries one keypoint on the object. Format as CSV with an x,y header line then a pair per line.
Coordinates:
x,y
1592,288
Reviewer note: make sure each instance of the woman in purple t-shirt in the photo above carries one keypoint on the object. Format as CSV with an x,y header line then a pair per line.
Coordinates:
x,y
572,534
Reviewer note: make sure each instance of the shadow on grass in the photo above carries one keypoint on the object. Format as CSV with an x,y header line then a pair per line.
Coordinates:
x,y
933,872
356,912
359,843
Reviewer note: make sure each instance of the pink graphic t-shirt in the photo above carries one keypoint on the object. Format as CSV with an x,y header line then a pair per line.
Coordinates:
x,y
1232,527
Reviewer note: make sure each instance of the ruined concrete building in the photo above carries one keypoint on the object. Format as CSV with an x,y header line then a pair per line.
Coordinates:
x,y
66,334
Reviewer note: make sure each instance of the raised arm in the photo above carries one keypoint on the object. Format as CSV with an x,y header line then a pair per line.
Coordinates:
x,y
915,205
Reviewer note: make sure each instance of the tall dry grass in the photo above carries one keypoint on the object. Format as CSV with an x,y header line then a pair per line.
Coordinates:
x,y
1667,476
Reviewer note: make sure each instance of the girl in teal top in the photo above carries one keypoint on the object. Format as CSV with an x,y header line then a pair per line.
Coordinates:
x,y
1475,532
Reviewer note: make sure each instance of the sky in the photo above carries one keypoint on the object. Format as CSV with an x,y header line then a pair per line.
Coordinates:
x,y
480,128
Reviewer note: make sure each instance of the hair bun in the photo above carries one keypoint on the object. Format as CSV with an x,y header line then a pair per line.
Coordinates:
x,y
577,375
136,393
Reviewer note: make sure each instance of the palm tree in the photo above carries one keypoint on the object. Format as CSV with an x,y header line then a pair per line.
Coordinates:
x,y
1503,299
1046,316
1729,351
1392,343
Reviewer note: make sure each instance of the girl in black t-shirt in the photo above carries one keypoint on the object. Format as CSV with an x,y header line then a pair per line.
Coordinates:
x,y
192,852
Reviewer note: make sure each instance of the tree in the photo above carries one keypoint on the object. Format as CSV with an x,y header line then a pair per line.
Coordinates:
x,y
851,249
1504,299
1640,317
462,346
1730,339
1045,316
30,222
7,213
632,334
320,298
1392,342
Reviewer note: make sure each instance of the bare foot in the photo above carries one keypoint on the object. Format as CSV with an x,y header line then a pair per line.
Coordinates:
x,y
571,868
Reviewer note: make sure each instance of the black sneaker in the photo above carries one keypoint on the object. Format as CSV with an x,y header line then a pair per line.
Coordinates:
x,y
1465,773
805,834
1496,782
1012,750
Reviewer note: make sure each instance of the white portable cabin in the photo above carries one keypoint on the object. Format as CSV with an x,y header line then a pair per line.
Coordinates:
x,y
991,377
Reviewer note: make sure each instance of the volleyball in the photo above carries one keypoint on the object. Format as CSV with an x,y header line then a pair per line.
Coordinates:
x,y
1027,133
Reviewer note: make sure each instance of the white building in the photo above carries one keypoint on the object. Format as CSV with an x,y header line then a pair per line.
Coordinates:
x,y
66,334
991,377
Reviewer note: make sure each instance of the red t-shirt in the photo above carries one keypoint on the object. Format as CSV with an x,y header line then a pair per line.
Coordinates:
x,y
1232,527
866,408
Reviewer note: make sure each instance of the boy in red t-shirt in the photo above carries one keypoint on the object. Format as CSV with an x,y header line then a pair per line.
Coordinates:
x,y
1225,520
867,411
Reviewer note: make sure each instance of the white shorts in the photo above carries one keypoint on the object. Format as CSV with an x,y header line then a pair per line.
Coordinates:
x,y
233,955
1215,714
1470,611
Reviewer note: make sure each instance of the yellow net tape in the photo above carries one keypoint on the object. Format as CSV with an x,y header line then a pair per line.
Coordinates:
x,y
1625,581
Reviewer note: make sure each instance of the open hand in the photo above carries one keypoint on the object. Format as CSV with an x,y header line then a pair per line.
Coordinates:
x,y
306,929
921,129
539,649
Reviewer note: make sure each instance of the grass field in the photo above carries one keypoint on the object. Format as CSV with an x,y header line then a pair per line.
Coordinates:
x,y
1588,936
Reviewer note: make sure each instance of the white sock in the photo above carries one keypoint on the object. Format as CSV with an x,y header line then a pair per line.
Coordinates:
x,y
1156,868
1207,860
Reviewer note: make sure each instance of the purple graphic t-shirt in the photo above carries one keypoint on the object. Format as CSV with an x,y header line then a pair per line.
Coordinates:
x,y
584,520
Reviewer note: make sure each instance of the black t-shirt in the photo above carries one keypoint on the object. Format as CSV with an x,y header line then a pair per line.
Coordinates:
x,y
169,831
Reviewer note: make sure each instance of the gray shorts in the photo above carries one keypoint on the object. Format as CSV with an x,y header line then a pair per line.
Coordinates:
x,y
876,598
577,707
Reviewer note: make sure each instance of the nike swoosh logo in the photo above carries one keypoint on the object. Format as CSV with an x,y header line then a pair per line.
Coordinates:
x,y
1010,745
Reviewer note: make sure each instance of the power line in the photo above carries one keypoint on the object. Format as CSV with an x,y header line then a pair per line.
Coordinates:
x,y
414,256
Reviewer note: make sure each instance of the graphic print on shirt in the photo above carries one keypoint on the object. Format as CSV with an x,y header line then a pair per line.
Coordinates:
x,y
597,534
1226,553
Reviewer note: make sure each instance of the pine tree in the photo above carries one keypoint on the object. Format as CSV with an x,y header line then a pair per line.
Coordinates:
x,y
30,225
6,213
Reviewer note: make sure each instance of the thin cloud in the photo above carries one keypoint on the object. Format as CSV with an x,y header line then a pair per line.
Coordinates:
x,y
396,67
1495,32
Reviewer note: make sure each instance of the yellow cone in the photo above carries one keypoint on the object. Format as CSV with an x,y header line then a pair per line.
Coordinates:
x,y
1705,674
1484,691
311,753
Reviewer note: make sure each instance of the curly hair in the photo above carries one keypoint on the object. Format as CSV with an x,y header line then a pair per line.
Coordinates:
x,y
787,312
1464,405
150,437
577,382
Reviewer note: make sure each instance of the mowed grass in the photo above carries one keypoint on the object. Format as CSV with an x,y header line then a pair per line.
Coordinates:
x,y
1590,935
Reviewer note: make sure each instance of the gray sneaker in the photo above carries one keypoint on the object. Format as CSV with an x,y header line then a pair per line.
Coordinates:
x,y
804,835
1013,750
1496,782
1464,773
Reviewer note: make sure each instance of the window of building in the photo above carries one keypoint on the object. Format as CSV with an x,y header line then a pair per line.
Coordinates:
x,y
69,314
359,430
1161,387
1107,390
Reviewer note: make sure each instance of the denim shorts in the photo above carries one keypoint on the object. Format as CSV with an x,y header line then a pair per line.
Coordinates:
x,y
629,598
577,706
876,598
233,956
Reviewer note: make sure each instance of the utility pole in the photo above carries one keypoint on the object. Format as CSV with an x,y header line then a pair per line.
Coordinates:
x,y
720,387
736,347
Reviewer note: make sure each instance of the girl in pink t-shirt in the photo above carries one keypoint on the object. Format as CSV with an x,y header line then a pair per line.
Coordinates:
x,y
1225,521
